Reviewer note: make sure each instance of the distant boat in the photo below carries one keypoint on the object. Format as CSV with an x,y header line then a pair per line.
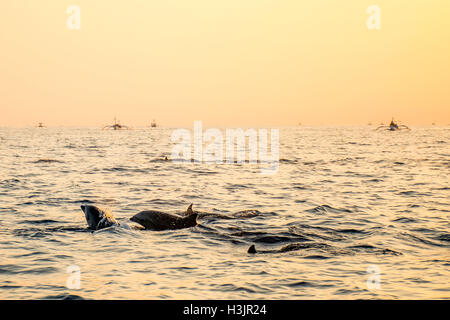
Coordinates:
x,y
393,126
153,124
40,125
116,126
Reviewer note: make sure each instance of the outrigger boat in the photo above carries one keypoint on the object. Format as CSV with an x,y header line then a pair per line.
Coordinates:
x,y
116,126
393,126
153,124
40,125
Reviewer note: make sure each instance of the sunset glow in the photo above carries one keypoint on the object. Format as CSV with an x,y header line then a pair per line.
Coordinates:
x,y
234,62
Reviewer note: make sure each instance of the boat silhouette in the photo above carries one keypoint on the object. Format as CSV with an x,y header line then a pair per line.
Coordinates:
x,y
393,126
116,126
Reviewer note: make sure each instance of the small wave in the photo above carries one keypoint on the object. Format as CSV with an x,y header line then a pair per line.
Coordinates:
x,y
14,269
362,246
412,193
313,163
11,181
208,215
288,161
232,186
201,172
250,213
7,286
312,232
125,169
232,287
43,232
84,201
303,246
265,237
405,220
44,221
372,249
351,231
30,254
422,240
30,233
443,237
271,239
374,180
10,269
301,284
115,169
120,229
39,270
326,208
316,257
47,161
390,252
64,297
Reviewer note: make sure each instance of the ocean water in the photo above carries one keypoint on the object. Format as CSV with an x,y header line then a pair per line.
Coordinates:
x,y
368,212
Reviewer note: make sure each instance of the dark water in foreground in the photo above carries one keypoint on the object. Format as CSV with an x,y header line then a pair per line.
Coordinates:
x,y
350,198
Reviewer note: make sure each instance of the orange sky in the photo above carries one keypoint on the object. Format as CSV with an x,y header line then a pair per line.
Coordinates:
x,y
227,63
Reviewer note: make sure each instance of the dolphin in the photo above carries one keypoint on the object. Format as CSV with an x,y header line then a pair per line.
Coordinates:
x,y
158,220
98,218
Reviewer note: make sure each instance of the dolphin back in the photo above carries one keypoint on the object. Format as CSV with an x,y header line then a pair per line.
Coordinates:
x,y
157,220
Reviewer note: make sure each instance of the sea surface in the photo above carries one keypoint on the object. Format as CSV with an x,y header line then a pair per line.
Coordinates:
x,y
367,212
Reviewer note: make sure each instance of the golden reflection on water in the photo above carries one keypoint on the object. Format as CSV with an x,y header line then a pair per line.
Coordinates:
x,y
353,191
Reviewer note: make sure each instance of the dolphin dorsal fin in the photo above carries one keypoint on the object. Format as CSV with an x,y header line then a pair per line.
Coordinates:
x,y
189,210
